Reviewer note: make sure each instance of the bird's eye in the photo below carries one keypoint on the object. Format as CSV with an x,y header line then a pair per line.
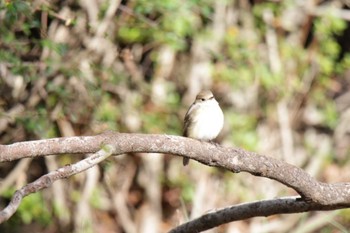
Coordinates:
x,y
202,99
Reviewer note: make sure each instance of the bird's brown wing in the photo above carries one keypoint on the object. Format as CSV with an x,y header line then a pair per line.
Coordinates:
x,y
189,119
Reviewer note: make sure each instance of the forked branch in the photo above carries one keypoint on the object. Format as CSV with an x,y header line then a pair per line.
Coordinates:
x,y
315,195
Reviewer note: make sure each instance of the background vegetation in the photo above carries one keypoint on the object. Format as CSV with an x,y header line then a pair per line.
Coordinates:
x,y
280,70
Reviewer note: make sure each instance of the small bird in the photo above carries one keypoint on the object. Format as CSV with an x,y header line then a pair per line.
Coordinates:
x,y
204,119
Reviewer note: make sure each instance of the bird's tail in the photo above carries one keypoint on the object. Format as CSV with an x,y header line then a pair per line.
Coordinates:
x,y
185,161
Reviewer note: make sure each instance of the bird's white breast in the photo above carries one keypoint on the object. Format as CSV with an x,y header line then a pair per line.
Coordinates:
x,y
207,122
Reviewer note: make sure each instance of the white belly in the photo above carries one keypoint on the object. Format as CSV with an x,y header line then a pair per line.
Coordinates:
x,y
208,123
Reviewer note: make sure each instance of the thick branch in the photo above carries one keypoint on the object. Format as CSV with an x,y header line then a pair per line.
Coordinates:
x,y
287,205
232,159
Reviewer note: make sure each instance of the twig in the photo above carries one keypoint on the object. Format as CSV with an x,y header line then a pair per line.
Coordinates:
x,y
46,180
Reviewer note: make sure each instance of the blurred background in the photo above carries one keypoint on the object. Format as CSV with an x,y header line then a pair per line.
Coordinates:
x,y
279,69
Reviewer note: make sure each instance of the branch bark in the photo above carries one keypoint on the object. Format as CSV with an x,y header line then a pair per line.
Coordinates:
x,y
315,195
46,180
285,205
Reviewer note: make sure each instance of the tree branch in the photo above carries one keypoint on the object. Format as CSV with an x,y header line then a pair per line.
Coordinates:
x,y
46,180
285,205
319,195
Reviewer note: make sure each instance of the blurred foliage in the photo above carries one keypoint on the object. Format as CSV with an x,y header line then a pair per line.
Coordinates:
x,y
80,68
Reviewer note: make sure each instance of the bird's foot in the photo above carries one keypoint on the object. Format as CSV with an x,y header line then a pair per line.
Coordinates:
x,y
214,143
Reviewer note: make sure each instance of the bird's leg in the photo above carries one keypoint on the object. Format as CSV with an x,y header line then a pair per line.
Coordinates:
x,y
214,143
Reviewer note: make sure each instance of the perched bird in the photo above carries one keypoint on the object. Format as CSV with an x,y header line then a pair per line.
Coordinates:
x,y
204,119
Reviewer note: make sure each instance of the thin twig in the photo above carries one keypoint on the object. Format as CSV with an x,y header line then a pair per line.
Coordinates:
x,y
46,180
